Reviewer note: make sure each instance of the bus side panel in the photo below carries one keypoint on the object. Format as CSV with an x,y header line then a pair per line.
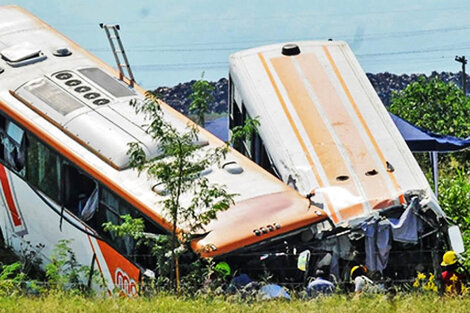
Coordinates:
x,y
123,274
27,223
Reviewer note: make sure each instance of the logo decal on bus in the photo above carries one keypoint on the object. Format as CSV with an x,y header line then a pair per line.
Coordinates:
x,y
124,283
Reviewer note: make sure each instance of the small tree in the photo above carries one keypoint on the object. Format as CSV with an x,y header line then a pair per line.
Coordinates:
x,y
201,98
244,132
434,105
178,170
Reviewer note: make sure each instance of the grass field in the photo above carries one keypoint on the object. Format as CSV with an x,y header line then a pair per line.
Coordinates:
x,y
341,303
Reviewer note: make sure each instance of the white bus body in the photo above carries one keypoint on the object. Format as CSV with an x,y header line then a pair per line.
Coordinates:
x,y
324,131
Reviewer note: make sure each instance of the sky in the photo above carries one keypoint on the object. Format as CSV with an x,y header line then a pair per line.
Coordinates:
x,y
173,41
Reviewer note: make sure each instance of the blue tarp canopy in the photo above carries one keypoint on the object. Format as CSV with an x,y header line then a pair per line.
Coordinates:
x,y
218,127
421,140
418,139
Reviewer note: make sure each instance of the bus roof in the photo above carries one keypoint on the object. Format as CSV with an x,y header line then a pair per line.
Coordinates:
x,y
325,127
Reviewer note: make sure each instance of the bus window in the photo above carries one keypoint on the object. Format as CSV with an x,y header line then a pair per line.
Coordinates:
x,y
80,193
13,144
248,148
110,209
43,168
257,147
236,118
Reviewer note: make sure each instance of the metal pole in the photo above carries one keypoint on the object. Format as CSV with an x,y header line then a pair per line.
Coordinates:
x,y
464,78
435,172
463,60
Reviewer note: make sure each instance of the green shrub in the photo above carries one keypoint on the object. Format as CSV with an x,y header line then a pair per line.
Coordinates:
x,y
454,198
65,273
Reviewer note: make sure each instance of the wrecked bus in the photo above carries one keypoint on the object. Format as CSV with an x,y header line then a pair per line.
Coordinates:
x,y
324,131
65,125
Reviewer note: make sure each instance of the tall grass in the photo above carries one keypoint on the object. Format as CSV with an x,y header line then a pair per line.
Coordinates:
x,y
62,302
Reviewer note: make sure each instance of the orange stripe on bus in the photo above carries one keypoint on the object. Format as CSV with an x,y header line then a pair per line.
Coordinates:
x,y
320,137
297,134
351,211
361,118
361,160
96,258
15,215
98,264
83,165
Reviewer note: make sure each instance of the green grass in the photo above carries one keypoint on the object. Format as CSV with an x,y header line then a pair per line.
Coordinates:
x,y
340,303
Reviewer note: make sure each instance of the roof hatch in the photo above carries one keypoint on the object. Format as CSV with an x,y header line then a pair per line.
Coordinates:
x,y
22,54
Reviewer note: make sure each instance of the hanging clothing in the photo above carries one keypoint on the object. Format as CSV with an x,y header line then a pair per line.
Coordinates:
x,y
377,243
406,228
89,208
339,248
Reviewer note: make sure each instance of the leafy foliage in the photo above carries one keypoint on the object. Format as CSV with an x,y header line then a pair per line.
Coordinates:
x,y
64,272
454,197
245,131
129,226
22,275
201,98
434,105
158,246
11,279
179,170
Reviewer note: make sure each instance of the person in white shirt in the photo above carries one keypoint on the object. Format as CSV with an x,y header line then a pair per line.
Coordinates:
x,y
359,277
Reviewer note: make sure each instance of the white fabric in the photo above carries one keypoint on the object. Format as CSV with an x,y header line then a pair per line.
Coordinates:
x,y
90,206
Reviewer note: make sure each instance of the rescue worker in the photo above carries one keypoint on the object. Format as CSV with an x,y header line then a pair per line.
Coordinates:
x,y
223,268
453,275
219,277
360,280
320,285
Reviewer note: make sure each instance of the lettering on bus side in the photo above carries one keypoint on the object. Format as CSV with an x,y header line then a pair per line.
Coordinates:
x,y
124,283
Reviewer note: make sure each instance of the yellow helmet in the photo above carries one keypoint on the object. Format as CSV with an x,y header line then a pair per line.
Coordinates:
x,y
356,268
449,258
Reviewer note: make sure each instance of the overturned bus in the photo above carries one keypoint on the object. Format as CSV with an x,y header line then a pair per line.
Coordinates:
x,y
324,131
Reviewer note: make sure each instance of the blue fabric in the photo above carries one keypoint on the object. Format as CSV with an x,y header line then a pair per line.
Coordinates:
x,y
405,229
240,281
320,286
377,244
218,127
273,291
